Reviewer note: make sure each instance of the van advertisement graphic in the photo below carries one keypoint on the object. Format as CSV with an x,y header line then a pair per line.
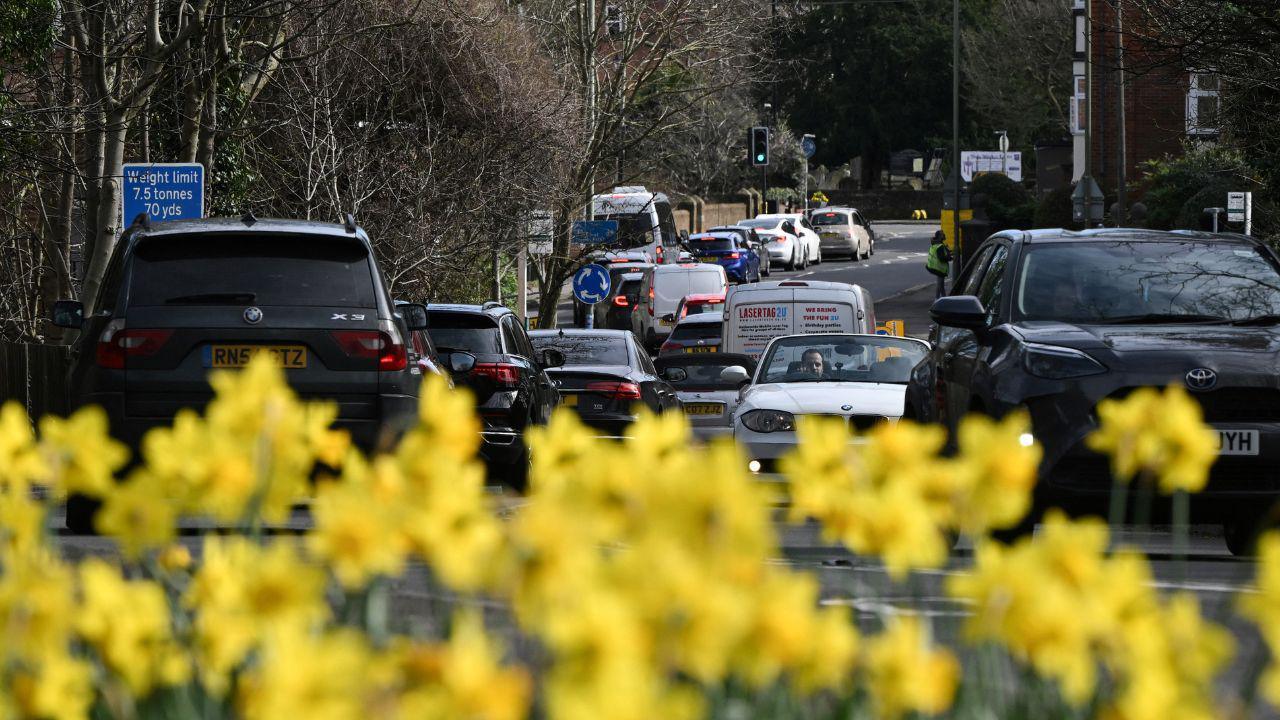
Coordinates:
x,y
758,324
818,318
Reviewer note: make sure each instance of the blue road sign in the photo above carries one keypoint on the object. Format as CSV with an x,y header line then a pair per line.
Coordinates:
x,y
164,191
595,232
591,284
809,147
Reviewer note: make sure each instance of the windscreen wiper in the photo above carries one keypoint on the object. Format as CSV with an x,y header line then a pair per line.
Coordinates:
x,y
228,298
1258,321
1156,318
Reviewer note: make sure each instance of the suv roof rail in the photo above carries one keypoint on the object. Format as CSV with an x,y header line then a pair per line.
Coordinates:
x,y
142,220
349,222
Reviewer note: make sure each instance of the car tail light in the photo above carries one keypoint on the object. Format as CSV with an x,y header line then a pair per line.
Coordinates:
x,y
733,256
659,254
504,374
384,346
650,300
619,390
668,346
620,300
116,343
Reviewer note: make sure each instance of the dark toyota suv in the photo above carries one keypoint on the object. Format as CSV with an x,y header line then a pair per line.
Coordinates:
x,y
1057,321
180,299
509,380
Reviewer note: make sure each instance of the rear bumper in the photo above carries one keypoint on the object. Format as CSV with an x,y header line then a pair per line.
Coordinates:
x,y
608,425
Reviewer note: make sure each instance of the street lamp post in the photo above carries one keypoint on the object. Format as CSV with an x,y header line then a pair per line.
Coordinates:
x,y
955,131
805,183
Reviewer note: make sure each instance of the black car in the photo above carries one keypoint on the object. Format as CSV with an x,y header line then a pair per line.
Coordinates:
x,y
1056,321
606,376
753,239
180,299
508,379
618,268
619,305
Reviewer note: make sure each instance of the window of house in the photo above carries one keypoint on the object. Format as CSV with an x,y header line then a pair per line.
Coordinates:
x,y
615,22
1202,104
1079,111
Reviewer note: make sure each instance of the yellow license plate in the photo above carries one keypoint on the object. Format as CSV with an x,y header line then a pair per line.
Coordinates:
x,y
709,259
569,400
702,349
703,409
292,357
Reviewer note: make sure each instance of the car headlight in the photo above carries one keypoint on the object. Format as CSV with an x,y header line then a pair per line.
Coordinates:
x,y
1059,363
767,421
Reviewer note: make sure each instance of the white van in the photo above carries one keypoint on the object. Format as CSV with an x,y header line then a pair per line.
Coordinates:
x,y
645,221
756,314
661,291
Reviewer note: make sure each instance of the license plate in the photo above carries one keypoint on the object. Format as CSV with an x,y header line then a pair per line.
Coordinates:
x,y
569,400
1239,442
708,259
666,322
703,409
702,349
293,357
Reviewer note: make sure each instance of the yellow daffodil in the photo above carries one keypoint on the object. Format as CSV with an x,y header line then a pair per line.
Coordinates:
x,y
995,472
128,623
83,456
357,536
57,686
138,516
906,673
1160,432
302,674
21,462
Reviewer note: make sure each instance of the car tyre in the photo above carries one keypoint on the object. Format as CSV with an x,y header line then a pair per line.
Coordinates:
x,y
818,260
80,513
767,265
1241,534
794,263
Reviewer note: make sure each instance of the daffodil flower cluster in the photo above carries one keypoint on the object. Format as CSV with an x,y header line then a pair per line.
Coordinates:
x,y
1157,432
1061,604
890,495
1262,606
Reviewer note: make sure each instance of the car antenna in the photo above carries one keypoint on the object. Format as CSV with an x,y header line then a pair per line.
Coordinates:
x,y
561,332
142,219
349,222
248,218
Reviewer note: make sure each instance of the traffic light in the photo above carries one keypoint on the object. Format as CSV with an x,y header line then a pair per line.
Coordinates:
x,y
758,143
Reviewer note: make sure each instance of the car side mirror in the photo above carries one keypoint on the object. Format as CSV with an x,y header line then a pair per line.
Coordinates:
x,y
669,317
551,358
674,374
959,311
734,375
461,362
415,316
789,227
68,314
684,237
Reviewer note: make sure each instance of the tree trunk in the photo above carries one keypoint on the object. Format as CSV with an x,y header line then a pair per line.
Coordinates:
x,y
208,127
107,221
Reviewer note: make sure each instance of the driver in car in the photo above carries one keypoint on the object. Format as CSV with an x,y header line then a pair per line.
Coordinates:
x,y
811,361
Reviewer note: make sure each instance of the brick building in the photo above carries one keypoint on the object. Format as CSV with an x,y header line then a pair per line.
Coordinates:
x,y
1165,105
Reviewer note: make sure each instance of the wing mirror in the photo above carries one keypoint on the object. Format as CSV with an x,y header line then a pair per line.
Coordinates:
x,y
674,374
959,311
460,363
415,316
735,375
789,227
669,317
68,314
551,358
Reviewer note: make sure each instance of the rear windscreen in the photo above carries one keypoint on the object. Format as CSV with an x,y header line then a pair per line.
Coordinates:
x,y
696,331
831,218
587,350
251,270
475,334
708,244
629,287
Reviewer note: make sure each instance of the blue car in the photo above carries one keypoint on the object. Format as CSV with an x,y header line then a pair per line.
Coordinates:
x,y
727,249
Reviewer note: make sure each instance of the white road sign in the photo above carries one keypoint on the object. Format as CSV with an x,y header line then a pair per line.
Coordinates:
x,y
980,162
1237,204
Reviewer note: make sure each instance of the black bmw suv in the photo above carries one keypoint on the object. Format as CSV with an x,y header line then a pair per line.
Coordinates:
x,y
1057,321
509,379
180,299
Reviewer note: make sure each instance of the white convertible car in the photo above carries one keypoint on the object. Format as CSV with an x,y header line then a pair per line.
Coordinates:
x,y
862,378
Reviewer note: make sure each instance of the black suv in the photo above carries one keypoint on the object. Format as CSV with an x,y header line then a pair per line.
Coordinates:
x,y
509,380
182,298
1057,321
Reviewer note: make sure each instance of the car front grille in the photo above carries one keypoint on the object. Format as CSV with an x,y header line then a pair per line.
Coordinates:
x,y
865,422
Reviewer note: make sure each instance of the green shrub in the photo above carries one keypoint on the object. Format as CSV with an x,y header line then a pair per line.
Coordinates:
x,y
1054,210
1177,190
1009,205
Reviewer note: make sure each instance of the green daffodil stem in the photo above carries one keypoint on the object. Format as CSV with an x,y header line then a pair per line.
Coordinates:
x,y
1119,503
1181,524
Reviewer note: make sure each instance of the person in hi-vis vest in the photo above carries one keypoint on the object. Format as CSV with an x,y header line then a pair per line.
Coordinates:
x,y
939,260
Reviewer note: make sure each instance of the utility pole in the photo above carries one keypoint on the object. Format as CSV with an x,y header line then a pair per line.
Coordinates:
x,y
955,131
590,63
1122,212
764,170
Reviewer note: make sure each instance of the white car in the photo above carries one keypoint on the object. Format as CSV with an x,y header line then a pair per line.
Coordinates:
x,y
843,231
781,240
808,236
861,378
708,385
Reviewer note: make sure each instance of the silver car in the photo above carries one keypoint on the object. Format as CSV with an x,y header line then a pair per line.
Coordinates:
x,y
708,385
843,231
